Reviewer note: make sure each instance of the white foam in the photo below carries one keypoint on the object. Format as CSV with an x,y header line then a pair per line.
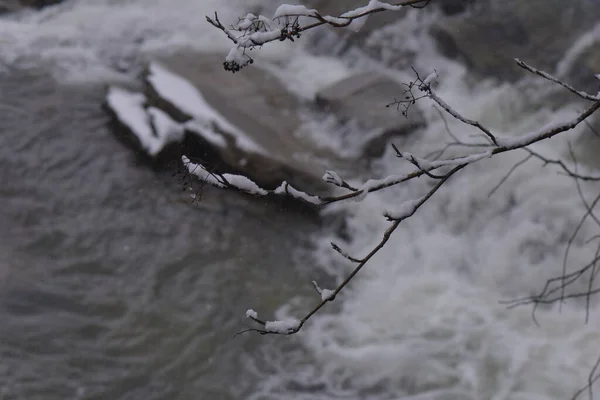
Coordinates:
x,y
153,127
422,320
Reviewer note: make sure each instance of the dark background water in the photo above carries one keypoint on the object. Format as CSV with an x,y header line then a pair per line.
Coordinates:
x,y
112,284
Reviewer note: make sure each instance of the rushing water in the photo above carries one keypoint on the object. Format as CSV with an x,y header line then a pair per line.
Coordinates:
x,y
114,286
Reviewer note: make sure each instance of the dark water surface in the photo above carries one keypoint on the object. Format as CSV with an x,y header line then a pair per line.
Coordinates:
x,y
112,285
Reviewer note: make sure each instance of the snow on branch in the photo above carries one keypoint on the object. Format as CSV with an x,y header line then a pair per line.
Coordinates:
x,y
253,31
553,129
282,327
425,87
244,184
326,294
554,290
286,188
444,170
423,165
286,10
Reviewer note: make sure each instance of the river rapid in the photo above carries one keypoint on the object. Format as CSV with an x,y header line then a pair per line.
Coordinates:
x,y
114,285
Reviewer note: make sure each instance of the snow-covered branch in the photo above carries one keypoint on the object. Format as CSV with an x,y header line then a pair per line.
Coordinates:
x,y
287,23
555,288
244,184
254,31
448,168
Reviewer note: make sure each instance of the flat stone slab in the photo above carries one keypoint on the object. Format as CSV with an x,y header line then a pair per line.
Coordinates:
x,y
363,98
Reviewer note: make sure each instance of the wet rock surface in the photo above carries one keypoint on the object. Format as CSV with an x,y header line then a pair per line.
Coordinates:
x,y
491,34
15,5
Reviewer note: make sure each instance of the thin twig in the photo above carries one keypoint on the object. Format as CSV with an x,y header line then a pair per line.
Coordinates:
x,y
508,174
551,78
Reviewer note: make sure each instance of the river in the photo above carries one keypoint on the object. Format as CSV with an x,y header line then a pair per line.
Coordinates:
x,y
114,285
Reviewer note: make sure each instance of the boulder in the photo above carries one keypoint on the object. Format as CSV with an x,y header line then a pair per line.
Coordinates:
x,y
242,123
581,69
363,98
252,111
14,5
493,33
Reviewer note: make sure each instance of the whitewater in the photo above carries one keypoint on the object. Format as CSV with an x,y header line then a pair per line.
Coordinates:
x,y
424,319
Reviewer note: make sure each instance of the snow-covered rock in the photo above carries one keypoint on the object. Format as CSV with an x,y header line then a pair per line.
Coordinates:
x,y
151,128
187,100
15,5
253,112
246,121
363,98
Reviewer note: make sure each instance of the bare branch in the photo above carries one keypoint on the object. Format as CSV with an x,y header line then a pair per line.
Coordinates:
x,y
363,261
456,141
592,378
217,24
551,78
553,290
562,165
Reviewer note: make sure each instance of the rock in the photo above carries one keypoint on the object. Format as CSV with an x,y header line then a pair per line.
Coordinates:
x,y
581,69
9,6
242,123
15,5
39,3
493,33
451,7
363,98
